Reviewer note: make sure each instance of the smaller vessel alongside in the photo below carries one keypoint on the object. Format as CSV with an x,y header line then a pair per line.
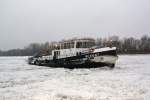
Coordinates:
x,y
77,53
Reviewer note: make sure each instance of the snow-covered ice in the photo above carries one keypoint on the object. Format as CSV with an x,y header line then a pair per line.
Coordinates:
x,y
129,80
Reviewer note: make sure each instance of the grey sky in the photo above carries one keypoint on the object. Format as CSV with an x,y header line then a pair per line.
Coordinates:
x,y
26,21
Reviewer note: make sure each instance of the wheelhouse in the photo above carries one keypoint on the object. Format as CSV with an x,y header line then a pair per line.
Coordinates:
x,y
77,43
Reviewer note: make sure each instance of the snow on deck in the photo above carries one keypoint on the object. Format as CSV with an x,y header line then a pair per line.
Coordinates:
x,y
104,49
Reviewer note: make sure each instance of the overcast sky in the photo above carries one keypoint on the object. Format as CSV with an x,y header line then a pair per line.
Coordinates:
x,y
26,21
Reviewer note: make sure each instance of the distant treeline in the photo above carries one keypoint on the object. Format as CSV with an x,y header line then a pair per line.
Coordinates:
x,y
124,46
128,45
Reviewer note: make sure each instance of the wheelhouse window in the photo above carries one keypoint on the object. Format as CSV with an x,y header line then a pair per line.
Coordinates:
x,y
85,44
78,43
67,45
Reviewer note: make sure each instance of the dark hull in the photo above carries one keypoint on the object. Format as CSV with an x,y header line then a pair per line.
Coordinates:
x,y
74,65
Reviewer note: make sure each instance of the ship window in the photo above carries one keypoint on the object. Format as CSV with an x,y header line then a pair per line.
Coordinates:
x,y
57,53
67,45
79,45
72,44
84,44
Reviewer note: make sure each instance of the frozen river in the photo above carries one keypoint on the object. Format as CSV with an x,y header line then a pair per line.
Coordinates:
x,y
129,80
